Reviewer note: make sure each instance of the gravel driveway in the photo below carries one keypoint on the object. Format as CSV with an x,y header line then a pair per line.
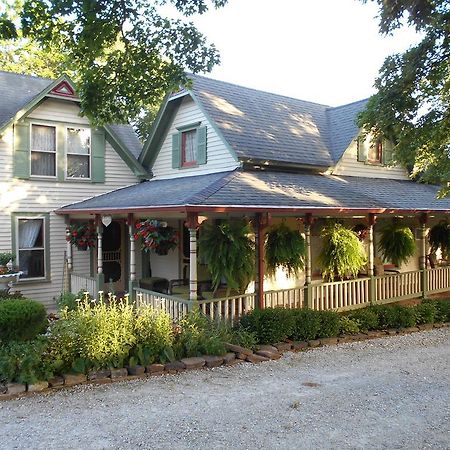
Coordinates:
x,y
390,393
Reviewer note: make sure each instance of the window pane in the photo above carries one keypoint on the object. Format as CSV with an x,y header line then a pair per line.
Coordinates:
x,y
31,263
43,164
31,233
43,138
77,166
189,143
78,141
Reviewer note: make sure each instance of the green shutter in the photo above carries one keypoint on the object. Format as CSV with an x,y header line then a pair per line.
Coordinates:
x,y
176,150
201,145
363,149
98,155
21,164
387,151
61,152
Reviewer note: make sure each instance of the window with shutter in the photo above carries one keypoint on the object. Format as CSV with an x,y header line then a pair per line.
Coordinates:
x,y
189,146
43,151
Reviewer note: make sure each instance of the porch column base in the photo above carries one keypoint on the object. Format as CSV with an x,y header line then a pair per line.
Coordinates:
x,y
372,292
308,302
131,294
100,283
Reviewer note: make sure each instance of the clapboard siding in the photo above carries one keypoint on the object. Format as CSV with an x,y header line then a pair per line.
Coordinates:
x,y
350,166
37,196
219,158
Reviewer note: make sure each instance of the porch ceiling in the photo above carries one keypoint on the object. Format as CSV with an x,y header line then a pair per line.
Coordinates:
x,y
267,191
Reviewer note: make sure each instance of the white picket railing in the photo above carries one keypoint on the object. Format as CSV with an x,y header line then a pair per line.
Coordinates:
x,y
438,279
228,309
176,307
398,286
340,295
83,283
286,298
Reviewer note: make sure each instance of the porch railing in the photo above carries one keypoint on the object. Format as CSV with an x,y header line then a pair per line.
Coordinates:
x,y
398,286
287,298
340,295
228,309
83,283
438,279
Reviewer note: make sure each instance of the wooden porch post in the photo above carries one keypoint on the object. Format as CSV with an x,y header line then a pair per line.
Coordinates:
x,y
192,225
132,279
308,263
69,260
423,253
261,223
100,275
371,262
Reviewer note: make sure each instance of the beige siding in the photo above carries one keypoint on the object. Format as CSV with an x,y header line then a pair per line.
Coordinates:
x,y
28,196
350,166
219,158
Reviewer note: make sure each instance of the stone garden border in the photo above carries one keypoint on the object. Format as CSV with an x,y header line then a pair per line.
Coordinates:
x,y
235,355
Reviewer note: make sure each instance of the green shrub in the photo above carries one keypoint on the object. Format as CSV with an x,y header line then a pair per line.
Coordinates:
x,y
270,325
68,300
443,310
199,335
395,316
329,324
348,325
243,338
366,317
306,324
426,312
25,362
21,319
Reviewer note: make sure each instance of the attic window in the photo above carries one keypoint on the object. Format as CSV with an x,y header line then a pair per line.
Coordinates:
x,y
375,153
189,148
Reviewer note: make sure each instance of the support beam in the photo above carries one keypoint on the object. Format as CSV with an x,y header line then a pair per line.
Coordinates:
x,y
69,250
371,262
192,225
423,253
132,275
262,220
308,221
100,275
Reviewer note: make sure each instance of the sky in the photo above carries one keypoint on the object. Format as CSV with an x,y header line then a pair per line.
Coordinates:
x,y
326,51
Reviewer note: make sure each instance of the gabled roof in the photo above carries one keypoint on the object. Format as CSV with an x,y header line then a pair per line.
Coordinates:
x,y
269,191
21,93
259,126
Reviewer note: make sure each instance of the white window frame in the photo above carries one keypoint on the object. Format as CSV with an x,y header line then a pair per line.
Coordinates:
x,y
66,134
50,125
44,242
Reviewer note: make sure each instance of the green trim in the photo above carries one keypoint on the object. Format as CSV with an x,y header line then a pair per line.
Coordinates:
x,y
190,126
15,249
30,106
136,167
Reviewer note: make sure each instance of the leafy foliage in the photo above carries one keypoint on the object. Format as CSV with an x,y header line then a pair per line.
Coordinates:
x,y
126,54
397,243
439,238
156,235
411,104
229,252
367,318
348,325
342,254
395,316
286,248
21,319
306,324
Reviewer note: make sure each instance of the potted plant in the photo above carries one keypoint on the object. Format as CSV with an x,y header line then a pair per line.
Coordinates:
x,y
439,239
397,243
284,248
156,236
229,252
8,273
82,235
342,255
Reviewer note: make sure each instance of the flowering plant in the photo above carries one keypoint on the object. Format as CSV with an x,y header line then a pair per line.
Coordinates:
x,y
82,236
6,263
156,235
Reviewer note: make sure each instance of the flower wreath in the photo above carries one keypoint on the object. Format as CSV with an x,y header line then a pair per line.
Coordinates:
x,y
83,236
156,235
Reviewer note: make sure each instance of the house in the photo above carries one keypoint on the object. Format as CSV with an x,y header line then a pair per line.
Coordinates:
x,y
51,156
219,150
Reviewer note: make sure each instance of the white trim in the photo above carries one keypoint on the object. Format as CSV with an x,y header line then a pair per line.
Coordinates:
x,y
49,125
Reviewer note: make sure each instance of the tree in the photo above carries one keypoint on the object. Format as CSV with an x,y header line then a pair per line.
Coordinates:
x,y
124,54
411,106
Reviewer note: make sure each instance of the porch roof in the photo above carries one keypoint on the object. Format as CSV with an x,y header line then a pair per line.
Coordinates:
x,y
271,191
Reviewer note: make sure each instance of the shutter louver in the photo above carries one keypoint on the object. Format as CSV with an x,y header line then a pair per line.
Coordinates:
x,y
21,163
387,151
363,149
201,145
176,150
98,155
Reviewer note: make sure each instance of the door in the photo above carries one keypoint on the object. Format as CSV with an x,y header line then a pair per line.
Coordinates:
x,y
113,256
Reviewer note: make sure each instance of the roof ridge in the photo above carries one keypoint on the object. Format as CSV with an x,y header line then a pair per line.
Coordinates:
x,y
348,104
259,90
27,75
215,186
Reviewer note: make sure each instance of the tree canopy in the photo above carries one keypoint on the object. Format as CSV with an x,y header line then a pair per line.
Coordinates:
x,y
411,106
124,54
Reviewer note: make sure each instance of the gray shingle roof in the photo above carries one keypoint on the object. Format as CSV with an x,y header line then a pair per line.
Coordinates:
x,y
272,190
17,90
263,126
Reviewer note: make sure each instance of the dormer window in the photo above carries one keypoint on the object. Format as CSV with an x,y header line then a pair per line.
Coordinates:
x,y
189,148
375,152
43,151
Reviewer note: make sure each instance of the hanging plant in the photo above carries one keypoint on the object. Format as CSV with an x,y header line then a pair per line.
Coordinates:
x,y
439,238
342,255
397,243
83,236
229,252
361,231
156,236
286,248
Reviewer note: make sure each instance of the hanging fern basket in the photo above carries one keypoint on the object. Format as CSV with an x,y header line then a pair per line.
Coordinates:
x,y
284,248
439,238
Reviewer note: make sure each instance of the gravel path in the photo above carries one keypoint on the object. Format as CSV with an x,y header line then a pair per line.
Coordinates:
x,y
390,393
